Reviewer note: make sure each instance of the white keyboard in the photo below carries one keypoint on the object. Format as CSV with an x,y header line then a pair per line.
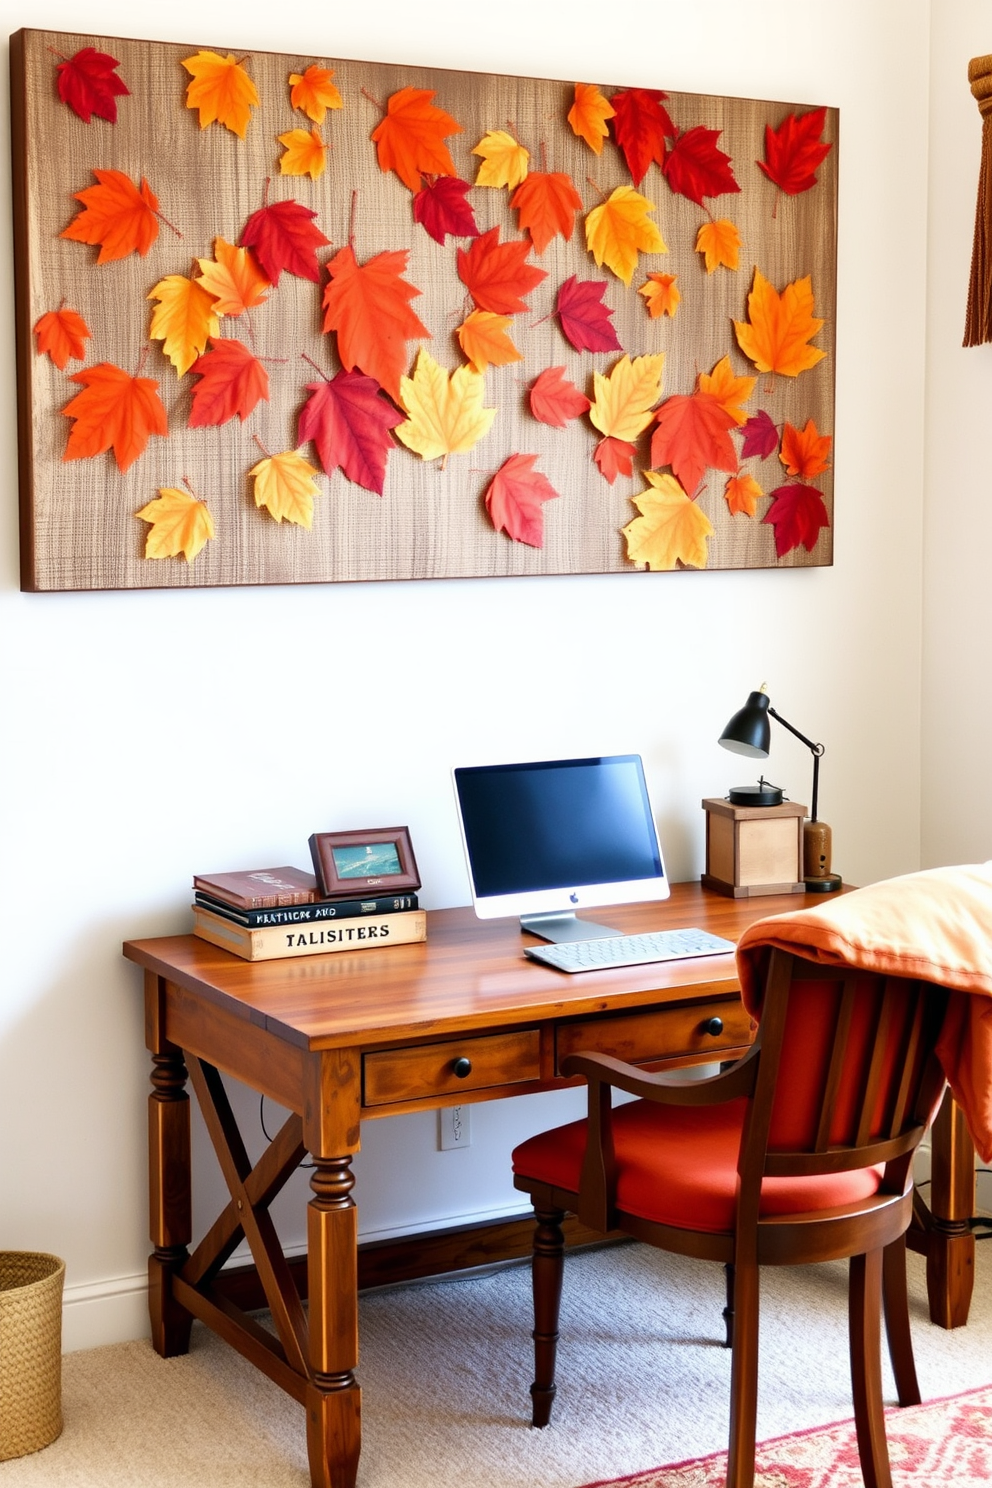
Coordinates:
x,y
630,950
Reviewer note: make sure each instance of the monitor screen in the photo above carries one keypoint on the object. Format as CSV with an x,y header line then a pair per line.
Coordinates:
x,y
553,836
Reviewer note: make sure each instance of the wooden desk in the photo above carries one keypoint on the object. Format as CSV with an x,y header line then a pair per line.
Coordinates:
x,y
353,1035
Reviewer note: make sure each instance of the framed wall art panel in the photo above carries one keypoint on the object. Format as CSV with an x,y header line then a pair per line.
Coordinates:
x,y
299,319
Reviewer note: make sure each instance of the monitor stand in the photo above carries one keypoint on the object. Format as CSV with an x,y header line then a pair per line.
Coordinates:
x,y
559,927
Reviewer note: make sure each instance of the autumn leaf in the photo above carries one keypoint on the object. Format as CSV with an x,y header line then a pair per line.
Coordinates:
x,y
117,215
515,498
614,457
285,486
719,242
445,415
620,229
583,317
670,530
691,436
776,336
89,84
742,494
623,401
180,524
221,90
588,116
183,320
62,333
368,305
233,382
114,411
640,127
760,436
547,202
804,451
497,274
729,390
798,514
794,151
305,153
349,418
504,160
662,294
410,138
554,400
234,279
695,168
441,208
313,93
483,338
283,236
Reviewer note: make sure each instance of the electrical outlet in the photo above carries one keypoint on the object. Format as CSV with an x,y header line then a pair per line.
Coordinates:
x,y
454,1127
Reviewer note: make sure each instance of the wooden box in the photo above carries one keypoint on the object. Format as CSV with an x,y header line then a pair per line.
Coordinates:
x,y
754,850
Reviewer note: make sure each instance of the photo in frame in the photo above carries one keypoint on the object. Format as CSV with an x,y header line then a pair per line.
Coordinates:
x,y
347,864
292,318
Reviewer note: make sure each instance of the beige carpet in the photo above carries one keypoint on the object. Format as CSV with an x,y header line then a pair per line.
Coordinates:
x,y
445,1372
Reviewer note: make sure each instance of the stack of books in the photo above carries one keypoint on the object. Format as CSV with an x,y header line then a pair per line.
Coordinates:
x,y
268,913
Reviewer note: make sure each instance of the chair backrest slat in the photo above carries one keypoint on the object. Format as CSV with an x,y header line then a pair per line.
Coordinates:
x,y
836,1069
911,1059
876,1067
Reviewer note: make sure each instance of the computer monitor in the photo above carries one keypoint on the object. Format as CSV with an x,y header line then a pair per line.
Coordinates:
x,y
549,837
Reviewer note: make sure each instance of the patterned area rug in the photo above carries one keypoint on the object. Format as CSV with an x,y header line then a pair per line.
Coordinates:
x,y
940,1444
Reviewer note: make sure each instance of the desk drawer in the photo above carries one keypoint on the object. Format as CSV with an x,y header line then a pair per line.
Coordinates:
x,y
640,1038
427,1070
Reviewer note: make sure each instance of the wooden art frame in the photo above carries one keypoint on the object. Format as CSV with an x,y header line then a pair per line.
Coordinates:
x,y
287,319
337,861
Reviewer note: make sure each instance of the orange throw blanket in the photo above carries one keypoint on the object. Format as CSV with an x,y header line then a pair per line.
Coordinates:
x,y
934,926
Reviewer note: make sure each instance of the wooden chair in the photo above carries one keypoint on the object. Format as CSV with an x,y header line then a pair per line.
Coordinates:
x,y
802,1151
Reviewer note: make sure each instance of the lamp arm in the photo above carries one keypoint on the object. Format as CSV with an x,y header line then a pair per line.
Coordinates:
x,y
816,750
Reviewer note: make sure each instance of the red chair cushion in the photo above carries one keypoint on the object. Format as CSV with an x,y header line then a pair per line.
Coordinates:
x,y
677,1165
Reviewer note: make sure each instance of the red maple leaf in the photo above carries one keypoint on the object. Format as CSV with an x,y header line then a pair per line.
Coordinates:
x,y
441,208
89,84
497,274
554,400
514,500
614,457
797,513
349,418
234,381
692,437
640,125
368,305
794,150
583,317
760,436
284,237
695,168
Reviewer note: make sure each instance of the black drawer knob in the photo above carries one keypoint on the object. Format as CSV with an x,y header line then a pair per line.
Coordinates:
x,y
461,1068
713,1026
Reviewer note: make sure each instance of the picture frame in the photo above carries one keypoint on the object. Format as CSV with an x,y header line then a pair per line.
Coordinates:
x,y
351,863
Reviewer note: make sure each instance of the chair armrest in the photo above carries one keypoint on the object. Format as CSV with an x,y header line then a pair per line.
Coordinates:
x,y
666,1089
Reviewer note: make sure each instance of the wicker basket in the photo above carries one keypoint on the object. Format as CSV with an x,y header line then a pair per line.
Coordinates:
x,y
30,1351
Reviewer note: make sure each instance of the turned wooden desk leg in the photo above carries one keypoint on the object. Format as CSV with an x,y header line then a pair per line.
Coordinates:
x,y
951,1243
169,1180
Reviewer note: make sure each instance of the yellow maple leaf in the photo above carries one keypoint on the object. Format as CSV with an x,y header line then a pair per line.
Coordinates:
x,y
623,401
305,153
484,340
313,93
504,160
729,390
183,320
719,243
180,524
620,229
776,334
588,115
446,416
662,294
671,529
234,279
742,493
221,90
285,486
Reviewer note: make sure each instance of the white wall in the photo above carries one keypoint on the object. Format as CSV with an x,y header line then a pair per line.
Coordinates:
x,y
146,736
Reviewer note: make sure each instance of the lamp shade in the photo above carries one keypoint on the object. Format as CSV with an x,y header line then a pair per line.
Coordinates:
x,y
749,732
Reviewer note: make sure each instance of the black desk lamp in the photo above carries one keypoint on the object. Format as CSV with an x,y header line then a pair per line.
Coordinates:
x,y
749,733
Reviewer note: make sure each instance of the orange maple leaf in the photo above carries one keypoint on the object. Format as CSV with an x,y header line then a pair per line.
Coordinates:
x,y
410,139
114,411
742,493
776,335
692,436
183,320
483,338
234,278
221,90
117,215
313,93
662,294
305,153
804,451
670,530
588,115
547,202
620,229
62,333
719,243
368,305
180,524
729,391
